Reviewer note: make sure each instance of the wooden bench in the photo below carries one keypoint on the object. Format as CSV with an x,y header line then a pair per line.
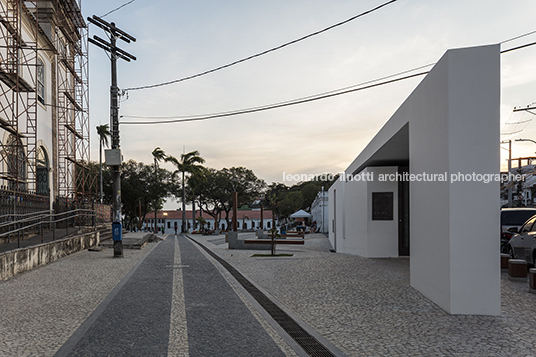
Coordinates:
x,y
275,241
293,235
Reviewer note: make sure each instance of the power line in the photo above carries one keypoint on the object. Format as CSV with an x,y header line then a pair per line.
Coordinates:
x,y
285,104
518,37
264,52
333,93
125,4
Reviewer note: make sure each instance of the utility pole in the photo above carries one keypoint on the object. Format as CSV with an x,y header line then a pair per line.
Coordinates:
x,y
509,142
113,157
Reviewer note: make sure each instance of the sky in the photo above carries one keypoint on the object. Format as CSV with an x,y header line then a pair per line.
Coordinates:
x,y
176,39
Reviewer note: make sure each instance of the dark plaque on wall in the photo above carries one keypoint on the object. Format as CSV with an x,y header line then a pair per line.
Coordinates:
x,y
382,206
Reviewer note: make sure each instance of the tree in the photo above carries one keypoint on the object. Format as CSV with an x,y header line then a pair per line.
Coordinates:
x,y
140,190
216,188
189,163
194,181
210,188
104,134
246,184
158,155
201,221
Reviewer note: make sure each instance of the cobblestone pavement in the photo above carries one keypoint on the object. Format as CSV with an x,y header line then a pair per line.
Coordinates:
x,y
168,299
365,307
43,307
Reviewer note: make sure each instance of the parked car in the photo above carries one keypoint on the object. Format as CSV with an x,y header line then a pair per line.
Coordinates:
x,y
511,221
515,217
523,244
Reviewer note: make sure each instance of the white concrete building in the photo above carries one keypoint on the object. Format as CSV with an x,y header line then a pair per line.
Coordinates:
x,y
418,186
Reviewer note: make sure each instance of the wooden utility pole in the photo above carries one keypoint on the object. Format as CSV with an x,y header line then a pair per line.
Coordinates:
x,y
115,152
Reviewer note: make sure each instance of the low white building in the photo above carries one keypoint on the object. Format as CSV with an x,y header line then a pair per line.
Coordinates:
x,y
247,220
320,212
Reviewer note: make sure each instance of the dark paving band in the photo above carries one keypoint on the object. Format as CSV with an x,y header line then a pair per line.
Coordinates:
x,y
307,342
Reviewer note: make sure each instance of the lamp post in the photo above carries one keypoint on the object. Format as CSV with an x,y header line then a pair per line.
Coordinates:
x,y
526,140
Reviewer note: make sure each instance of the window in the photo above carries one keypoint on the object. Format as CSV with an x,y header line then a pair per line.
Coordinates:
x,y
169,225
268,224
40,81
43,188
527,227
63,48
382,206
16,164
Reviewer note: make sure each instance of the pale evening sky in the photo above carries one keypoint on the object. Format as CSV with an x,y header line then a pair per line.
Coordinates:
x,y
176,39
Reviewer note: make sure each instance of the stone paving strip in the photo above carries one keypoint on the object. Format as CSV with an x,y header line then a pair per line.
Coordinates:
x,y
42,308
253,308
365,307
219,324
178,330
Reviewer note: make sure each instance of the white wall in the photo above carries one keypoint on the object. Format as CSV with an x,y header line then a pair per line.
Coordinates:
x,y
454,127
336,214
453,120
364,236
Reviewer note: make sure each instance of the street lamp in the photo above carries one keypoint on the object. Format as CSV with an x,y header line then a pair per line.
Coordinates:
x,y
526,140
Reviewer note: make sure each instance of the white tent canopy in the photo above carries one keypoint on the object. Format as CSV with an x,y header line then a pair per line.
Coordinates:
x,y
300,214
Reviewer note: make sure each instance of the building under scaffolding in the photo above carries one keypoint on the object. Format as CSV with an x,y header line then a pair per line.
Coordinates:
x,y
44,120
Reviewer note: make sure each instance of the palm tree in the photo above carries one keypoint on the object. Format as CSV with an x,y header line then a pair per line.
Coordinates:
x,y
104,134
158,155
189,163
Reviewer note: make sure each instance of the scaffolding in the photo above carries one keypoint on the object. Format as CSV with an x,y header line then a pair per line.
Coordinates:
x,y
18,98
26,29
73,104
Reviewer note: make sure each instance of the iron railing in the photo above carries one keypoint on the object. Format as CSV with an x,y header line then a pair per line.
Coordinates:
x,y
35,223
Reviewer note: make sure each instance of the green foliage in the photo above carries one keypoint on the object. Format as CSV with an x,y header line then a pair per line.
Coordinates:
x,y
215,189
285,200
103,131
138,185
201,221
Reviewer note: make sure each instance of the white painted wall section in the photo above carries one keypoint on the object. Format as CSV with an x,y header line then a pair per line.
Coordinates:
x,y
449,125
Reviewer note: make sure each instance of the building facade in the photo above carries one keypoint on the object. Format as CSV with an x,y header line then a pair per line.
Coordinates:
x,y
248,220
44,117
320,212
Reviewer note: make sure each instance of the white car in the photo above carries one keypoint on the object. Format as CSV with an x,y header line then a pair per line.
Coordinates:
x,y
523,244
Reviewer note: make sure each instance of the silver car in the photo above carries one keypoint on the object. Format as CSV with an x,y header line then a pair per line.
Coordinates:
x,y
523,244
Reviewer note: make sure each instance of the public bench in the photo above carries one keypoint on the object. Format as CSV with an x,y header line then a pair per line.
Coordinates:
x,y
293,235
274,241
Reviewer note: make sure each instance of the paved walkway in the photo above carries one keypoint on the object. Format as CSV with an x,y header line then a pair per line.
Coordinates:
x,y
172,299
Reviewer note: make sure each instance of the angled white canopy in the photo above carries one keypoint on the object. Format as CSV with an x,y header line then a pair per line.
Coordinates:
x,y
300,214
